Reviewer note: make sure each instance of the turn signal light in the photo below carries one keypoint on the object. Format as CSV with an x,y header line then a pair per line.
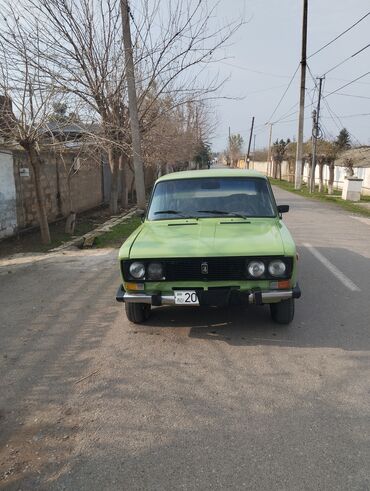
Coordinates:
x,y
134,286
284,284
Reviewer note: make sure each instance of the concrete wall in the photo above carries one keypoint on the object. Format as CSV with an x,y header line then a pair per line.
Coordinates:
x,y
8,207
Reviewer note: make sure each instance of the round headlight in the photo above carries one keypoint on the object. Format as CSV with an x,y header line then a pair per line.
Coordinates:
x,y
137,270
277,268
256,268
155,271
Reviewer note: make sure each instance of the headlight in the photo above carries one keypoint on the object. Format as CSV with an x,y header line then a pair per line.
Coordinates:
x,y
277,268
137,270
256,268
155,271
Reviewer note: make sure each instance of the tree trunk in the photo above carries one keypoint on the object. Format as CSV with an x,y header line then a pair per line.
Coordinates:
x,y
274,169
124,181
71,219
114,166
70,223
309,177
321,178
35,161
331,178
279,170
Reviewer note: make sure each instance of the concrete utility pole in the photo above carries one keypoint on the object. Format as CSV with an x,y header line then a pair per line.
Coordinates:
x,y
315,135
250,142
132,105
269,151
299,156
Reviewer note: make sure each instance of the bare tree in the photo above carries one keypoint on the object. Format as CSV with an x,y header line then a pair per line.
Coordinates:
x,y
235,148
279,150
77,45
26,105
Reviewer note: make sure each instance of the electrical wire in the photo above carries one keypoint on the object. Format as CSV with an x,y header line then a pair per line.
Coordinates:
x,y
323,128
288,114
347,84
352,95
333,115
284,94
349,58
253,71
339,35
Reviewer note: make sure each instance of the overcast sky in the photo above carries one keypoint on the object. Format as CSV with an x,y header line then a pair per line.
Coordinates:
x,y
266,52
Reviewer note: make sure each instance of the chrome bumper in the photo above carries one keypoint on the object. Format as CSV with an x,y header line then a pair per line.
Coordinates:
x,y
257,297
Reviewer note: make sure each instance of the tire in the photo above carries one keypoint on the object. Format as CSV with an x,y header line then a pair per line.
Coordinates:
x,y
137,312
282,312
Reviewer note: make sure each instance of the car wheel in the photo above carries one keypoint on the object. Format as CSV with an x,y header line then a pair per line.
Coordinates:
x,y
282,312
137,312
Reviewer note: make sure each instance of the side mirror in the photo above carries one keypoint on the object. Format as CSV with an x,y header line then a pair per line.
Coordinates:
x,y
282,209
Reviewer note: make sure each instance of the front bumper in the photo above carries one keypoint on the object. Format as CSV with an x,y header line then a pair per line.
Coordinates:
x,y
216,297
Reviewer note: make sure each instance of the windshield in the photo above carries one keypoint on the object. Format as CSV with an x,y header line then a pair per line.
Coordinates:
x,y
244,197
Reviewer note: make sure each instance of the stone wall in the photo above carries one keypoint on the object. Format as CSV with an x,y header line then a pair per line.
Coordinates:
x,y
85,185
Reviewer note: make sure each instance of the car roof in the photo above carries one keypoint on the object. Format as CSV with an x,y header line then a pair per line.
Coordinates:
x,y
197,174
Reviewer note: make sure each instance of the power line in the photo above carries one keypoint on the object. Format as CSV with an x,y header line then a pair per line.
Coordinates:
x,y
352,95
315,84
339,35
354,115
347,84
349,58
326,131
287,114
333,115
284,94
253,71
346,80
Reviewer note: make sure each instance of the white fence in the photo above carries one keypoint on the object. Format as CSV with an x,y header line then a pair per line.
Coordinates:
x,y
339,173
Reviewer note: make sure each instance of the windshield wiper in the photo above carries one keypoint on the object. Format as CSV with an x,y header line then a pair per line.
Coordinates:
x,y
172,212
226,213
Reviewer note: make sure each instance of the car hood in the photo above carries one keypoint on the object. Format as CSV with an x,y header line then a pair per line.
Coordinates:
x,y
208,238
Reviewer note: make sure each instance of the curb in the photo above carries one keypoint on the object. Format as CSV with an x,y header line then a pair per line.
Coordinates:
x,y
87,240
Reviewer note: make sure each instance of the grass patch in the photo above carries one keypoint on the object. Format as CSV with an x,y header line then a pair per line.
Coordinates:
x,y
334,198
118,234
31,242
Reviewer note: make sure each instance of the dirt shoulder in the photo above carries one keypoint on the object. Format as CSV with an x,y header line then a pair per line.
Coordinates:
x,y
31,242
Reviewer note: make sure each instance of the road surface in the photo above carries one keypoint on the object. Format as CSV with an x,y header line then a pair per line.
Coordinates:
x,y
196,399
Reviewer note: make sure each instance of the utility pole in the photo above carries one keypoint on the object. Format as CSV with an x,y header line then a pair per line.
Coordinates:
x,y
269,151
132,105
250,142
315,135
299,156
254,148
228,160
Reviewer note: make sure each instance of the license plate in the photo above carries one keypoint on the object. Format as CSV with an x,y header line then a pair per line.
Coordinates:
x,y
186,297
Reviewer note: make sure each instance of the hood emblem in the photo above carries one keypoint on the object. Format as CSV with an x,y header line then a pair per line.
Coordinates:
x,y
204,268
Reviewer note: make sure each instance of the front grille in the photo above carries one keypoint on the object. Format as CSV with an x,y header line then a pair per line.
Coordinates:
x,y
214,269
209,268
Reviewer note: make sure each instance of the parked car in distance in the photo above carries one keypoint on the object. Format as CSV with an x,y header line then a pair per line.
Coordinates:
x,y
210,237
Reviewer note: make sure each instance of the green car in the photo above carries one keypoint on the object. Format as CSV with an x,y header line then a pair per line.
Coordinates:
x,y
212,237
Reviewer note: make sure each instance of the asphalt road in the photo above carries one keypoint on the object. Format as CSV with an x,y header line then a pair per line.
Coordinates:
x,y
196,399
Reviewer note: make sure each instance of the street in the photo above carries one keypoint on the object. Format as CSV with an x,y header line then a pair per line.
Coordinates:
x,y
196,398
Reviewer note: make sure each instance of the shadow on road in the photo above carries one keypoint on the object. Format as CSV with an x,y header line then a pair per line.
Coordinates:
x,y
327,315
